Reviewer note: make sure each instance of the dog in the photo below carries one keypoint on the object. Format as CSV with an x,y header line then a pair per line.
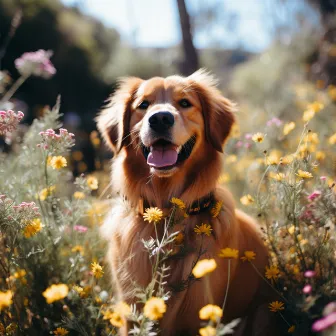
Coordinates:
x,y
167,135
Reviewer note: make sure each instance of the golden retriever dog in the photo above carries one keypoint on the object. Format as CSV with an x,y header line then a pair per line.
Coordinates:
x,y
167,135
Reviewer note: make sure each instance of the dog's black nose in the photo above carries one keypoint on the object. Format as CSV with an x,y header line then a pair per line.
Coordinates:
x,y
161,121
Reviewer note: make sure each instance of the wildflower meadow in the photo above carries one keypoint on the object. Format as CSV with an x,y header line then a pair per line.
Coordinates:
x,y
280,163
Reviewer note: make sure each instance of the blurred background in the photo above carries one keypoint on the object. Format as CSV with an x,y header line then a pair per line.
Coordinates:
x,y
262,51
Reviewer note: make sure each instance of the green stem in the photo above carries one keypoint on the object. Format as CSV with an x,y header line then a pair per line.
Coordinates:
x,y
255,268
208,289
13,89
284,319
228,284
226,292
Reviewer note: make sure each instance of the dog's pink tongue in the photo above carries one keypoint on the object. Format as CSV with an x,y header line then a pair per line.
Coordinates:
x,y
162,157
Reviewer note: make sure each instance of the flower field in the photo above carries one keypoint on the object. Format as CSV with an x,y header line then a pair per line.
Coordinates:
x,y
280,163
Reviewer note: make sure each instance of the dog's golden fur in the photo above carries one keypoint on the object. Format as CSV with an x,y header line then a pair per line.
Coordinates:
x,y
209,119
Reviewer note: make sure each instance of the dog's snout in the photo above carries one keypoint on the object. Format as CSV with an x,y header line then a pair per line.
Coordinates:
x,y
161,121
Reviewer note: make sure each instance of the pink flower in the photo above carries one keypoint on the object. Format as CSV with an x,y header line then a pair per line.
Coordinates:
x,y
307,289
323,178
36,64
314,195
274,121
80,228
9,121
309,274
329,308
239,144
324,323
248,136
54,142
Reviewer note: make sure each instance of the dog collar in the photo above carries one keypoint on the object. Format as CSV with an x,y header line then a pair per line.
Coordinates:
x,y
198,206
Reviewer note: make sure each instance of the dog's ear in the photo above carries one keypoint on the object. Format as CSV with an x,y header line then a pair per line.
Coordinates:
x,y
113,122
218,112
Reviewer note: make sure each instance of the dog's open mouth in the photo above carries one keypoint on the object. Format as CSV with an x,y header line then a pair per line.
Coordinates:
x,y
165,155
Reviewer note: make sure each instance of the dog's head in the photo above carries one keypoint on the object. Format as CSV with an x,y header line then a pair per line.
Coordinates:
x,y
167,120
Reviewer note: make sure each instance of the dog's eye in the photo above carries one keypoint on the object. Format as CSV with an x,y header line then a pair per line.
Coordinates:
x,y
144,105
185,103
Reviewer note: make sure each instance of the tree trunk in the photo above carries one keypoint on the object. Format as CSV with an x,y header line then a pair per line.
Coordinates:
x,y
190,62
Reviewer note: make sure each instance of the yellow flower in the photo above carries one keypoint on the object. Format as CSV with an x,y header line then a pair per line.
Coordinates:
x,y
312,137
231,159
320,156
204,267
332,139
78,289
107,314
248,256
117,320
179,238
223,178
258,137
55,293
92,182
305,148
178,202
332,92
274,157
97,270
155,308
208,331
276,306
210,312
272,272
315,106
308,115
228,253
287,159
49,160
5,299
247,199
32,228
58,162
277,176
79,195
288,128
304,174
216,209
235,131
98,212
60,332
291,329
77,155
291,229
122,308
85,292
10,329
20,274
82,167
203,229
153,215
78,249
44,193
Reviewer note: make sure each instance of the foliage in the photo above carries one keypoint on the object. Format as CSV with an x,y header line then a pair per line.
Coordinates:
x,y
285,175
53,276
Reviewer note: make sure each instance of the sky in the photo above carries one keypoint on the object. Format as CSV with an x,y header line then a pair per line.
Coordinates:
x,y
155,23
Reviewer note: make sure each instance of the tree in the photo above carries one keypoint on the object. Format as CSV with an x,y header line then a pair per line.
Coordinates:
x,y
190,62
323,59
